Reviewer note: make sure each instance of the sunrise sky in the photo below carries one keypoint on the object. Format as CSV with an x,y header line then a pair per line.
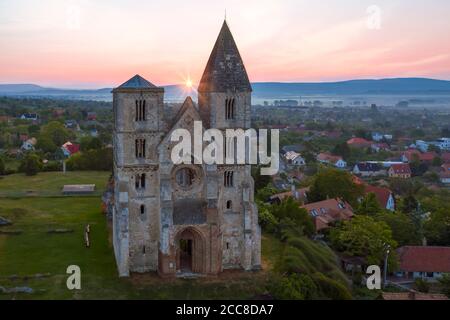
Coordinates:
x,y
102,43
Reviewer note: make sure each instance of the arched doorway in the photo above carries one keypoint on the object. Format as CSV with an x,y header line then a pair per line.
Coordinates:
x,y
190,251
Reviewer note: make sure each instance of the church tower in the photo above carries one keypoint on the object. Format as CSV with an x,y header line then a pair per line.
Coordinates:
x,y
224,92
180,219
138,129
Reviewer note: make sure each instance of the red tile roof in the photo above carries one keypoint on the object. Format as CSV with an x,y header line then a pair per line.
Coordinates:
x,y
324,156
284,195
73,148
426,156
401,168
359,142
445,170
424,259
328,211
445,157
382,194
412,295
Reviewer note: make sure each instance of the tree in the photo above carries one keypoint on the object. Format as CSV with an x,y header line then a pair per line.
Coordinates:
x,y
56,132
422,285
90,143
333,183
293,218
409,204
444,281
437,162
46,144
31,164
343,150
369,205
293,287
100,159
365,237
2,166
433,148
33,129
265,193
437,227
404,230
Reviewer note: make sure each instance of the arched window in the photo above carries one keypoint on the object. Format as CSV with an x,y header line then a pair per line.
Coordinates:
x,y
229,204
142,209
229,108
140,148
143,181
140,181
185,177
140,113
228,179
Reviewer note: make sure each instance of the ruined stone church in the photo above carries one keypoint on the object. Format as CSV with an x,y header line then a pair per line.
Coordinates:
x,y
189,218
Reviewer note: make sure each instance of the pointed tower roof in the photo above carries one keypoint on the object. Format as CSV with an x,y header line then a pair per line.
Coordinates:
x,y
137,82
225,69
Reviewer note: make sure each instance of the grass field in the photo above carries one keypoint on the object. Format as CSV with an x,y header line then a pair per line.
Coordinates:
x,y
35,251
49,183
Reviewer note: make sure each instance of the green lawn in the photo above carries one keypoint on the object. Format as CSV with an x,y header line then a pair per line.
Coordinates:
x,y
49,183
35,251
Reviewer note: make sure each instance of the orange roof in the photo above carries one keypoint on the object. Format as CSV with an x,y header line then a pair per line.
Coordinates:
x,y
445,156
412,295
382,194
401,168
359,141
328,211
284,195
424,259
426,156
324,156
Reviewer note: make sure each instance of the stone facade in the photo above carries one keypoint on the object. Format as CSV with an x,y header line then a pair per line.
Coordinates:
x,y
183,218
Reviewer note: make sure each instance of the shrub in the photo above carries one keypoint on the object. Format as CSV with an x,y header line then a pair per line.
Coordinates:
x,y
293,287
31,164
331,288
422,285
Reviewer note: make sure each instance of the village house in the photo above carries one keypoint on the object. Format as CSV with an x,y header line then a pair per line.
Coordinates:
x,y
381,146
376,136
427,263
327,158
294,158
359,143
412,295
58,113
297,194
444,174
71,124
29,144
329,211
384,196
400,171
442,143
445,157
368,169
91,116
5,119
70,148
412,155
23,137
30,116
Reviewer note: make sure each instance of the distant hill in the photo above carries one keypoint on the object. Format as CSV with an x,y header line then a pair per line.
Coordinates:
x,y
266,90
383,86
